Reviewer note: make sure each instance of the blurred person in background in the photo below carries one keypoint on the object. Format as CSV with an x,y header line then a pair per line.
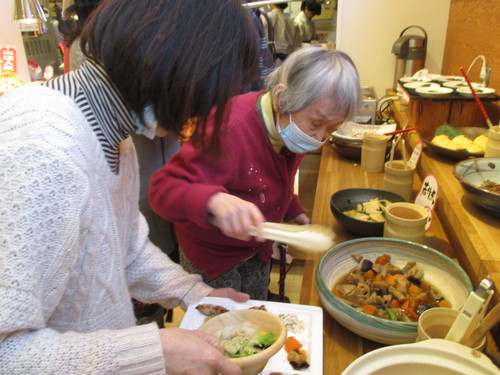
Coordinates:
x,y
71,26
214,202
304,20
286,34
266,52
73,244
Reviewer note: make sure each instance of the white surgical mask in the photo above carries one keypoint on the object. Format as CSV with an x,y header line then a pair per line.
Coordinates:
x,y
296,140
148,127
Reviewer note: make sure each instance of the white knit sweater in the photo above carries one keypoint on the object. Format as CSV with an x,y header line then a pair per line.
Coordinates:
x,y
74,248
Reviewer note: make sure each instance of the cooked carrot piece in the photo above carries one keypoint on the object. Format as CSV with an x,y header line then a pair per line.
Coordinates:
x,y
444,303
411,313
378,277
370,309
390,280
382,259
406,306
414,290
394,303
414,302
336,292
291,343
369,275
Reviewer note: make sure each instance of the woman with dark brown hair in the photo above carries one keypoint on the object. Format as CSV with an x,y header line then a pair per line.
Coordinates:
x,y
74,247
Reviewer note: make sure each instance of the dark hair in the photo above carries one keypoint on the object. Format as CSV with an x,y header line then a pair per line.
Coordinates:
x,y
312,5
70,27
282,5
182,56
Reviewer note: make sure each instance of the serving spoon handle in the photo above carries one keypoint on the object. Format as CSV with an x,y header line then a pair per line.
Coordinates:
x,y
488,322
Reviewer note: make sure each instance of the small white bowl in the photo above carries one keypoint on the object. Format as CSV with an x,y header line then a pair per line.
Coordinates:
x,y
451,78
480,91
433,91
430,357
458,84
415,79
439,270
412,86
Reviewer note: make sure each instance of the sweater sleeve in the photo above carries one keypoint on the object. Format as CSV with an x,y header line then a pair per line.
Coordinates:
x,y
154,278
135,350
180,190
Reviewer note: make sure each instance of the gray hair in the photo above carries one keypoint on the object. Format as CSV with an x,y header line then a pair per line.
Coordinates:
x,y
313,71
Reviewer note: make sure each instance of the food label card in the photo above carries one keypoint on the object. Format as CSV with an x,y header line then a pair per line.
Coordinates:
x,y
427,197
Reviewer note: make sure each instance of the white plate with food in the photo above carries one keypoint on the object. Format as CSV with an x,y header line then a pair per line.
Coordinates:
x,y
443,79
412,86
480,91
354,132
459,84
305,323
433,91
415,79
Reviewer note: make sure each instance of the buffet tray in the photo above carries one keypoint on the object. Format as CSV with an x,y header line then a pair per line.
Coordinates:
x,y
311,337
469,131
454,96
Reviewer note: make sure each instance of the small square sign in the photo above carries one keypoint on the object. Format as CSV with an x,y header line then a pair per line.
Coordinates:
x,y
8,59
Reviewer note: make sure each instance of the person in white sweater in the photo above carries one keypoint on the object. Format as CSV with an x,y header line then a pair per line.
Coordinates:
x,y
74,248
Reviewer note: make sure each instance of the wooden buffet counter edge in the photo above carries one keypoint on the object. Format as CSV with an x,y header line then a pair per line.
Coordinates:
x,y
459,230
473,233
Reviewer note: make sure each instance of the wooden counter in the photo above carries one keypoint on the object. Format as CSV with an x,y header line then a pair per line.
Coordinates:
x,y
474,230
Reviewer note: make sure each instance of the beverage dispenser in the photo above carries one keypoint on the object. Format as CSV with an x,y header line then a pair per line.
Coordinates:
x,y
410,53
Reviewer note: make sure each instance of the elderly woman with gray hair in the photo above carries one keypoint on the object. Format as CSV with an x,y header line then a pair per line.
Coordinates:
x,y
263,139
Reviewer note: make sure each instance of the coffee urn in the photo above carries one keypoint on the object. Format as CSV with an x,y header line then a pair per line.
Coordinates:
x,y
410,53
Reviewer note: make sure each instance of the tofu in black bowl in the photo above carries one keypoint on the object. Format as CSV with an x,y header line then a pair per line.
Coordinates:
x,y
362,210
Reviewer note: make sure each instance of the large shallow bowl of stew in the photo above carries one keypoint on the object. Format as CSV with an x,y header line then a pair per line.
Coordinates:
x,y
443,274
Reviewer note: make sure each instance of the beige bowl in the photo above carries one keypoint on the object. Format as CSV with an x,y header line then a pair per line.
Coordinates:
x,y
261,321
429,357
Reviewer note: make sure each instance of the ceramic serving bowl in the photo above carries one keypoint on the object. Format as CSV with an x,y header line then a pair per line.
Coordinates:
x,y
444,79
480,91
412,86
439,270
415,79
349,198
433,91
472,173
470,131
347,139
260,321
430,357
460,84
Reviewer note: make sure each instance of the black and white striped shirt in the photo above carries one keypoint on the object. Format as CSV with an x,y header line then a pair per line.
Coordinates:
x,y
101,104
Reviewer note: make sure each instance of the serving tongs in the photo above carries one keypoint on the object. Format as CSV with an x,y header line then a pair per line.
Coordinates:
x,y
471,312
312,238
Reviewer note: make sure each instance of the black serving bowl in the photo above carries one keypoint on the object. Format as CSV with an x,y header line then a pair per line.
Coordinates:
x,y
348,199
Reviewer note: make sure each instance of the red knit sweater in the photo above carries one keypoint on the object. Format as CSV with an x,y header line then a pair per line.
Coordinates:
x,y
250,168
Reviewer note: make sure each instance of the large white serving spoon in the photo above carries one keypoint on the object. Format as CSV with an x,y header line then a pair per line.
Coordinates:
x,y
309,238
